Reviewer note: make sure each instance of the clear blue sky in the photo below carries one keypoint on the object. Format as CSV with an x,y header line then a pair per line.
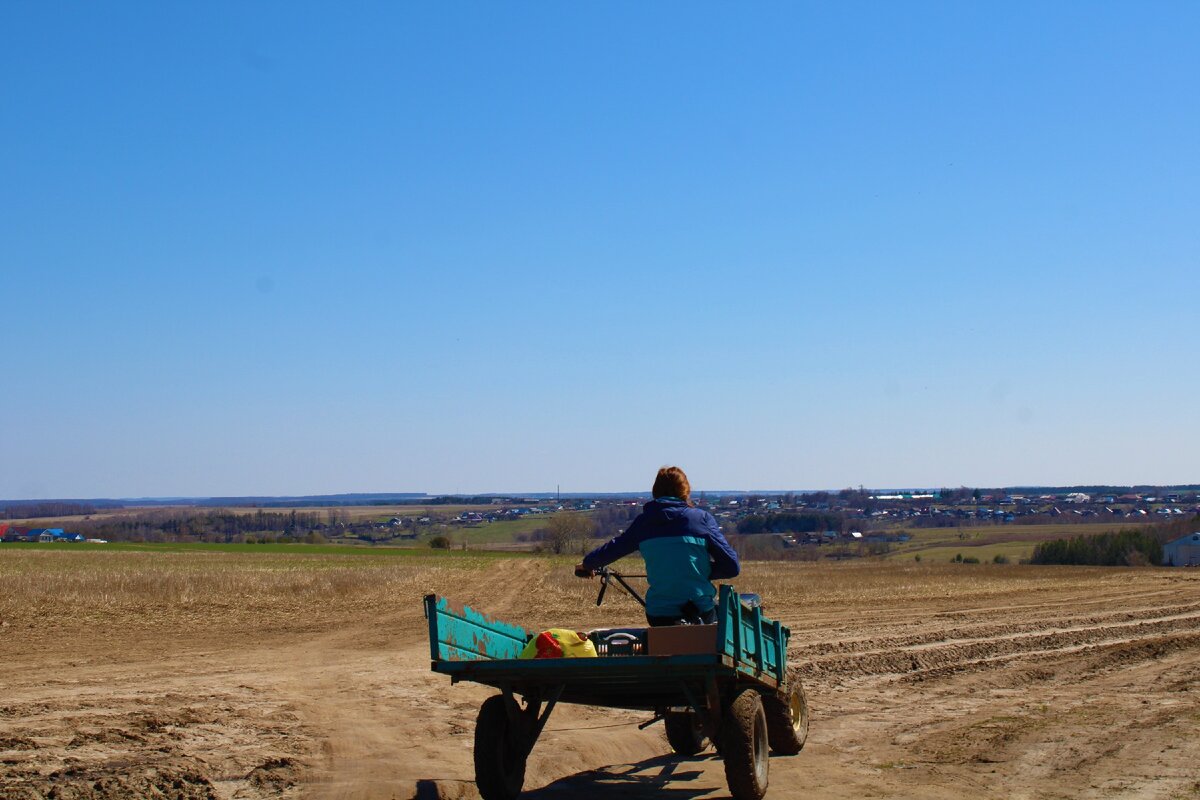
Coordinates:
x,y
307,248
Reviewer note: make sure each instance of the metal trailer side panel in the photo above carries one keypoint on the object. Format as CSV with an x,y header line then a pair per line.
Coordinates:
x,y
460,633
757,645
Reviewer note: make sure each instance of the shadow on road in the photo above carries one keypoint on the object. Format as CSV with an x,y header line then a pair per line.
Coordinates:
x,y
658,778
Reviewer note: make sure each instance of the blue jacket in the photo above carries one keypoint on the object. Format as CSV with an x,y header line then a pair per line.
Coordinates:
x,y
683,549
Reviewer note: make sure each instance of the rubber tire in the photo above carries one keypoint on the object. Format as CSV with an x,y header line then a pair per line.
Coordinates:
x,y
683,732
744,746
787,718
499,762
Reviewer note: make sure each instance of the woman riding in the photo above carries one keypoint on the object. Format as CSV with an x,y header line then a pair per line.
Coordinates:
x,y
683,549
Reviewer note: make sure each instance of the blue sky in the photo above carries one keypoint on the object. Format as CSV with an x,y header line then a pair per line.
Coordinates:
x,y
299,248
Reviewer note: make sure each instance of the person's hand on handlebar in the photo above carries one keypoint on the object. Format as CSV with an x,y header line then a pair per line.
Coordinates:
x,y
583,572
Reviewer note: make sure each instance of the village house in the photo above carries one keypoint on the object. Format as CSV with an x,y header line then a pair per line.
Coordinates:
x,y
1182,552
48,535
11,534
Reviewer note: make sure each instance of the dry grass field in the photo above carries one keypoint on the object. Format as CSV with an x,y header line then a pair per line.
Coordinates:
x,y
241,674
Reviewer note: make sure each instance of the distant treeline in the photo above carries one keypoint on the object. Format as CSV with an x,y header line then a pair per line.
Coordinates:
x,y
611,520
209,526
790,522
52,508
1132,547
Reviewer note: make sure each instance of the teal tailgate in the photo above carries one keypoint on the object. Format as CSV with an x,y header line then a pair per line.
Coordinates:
x,y
757,645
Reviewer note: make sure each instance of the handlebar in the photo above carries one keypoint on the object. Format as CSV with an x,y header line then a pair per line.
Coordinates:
x,y
607,576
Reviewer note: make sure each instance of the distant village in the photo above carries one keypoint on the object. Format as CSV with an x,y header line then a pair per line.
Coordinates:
x,y
870,511
812,519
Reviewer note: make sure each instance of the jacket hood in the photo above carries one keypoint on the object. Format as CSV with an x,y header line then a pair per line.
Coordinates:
x,y
666,508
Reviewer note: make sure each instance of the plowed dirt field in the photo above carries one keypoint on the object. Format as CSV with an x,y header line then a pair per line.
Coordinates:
x,y
225,675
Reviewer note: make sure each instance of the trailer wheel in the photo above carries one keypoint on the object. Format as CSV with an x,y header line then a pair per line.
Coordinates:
x,y
744,746
787,717
684,732
499,752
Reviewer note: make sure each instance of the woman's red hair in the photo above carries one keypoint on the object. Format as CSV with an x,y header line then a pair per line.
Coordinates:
x,y
672,482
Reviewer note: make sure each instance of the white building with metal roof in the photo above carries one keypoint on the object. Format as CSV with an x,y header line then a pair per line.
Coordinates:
x,y
1183,552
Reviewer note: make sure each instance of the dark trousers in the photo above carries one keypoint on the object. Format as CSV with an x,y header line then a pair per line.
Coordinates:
x,y
688,615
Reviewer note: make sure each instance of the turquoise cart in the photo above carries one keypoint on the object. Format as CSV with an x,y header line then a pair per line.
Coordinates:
x,y
738,696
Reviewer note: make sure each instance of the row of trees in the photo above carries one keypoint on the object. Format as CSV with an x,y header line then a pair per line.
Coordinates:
x,y
575,532
772,548
46,509
611,520
569,533
1126,548
217,525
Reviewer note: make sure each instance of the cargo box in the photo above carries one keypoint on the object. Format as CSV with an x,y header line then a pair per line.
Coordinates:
x,y
681,640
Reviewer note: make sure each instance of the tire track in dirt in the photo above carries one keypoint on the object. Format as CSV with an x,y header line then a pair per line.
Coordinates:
x,y
180,736
1048,690
989,630
1090,696
925,653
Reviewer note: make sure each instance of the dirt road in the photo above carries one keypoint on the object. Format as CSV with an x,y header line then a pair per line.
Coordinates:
x,y
1004,682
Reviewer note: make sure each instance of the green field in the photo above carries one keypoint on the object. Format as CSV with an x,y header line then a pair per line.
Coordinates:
x,y
1013,551
502,531
985,542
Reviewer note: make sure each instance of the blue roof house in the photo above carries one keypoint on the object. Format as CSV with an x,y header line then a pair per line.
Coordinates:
x,y
53,535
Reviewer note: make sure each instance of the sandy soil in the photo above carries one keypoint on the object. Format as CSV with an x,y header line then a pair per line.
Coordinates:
x,y
1080,688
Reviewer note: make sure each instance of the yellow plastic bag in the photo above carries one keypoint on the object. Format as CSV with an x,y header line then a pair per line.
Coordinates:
x,y
559,643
